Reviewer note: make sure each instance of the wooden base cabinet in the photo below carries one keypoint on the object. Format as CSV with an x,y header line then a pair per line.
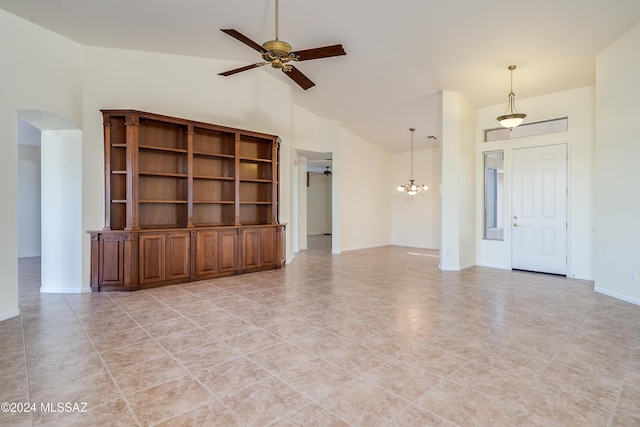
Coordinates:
x,y
184,201
128,261
260,249
217,253
164,257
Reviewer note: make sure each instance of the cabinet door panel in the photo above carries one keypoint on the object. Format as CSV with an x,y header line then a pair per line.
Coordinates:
x,y
251,248
177,252
112,262
269,248
152,258
228,241
207,252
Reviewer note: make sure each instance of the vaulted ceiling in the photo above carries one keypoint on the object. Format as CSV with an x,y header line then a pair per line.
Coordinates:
x,y
400,54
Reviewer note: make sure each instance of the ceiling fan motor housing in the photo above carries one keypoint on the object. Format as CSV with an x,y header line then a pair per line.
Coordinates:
x,y
277,47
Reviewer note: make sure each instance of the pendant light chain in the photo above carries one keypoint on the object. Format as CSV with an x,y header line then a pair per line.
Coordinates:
x,y
511,86
412,130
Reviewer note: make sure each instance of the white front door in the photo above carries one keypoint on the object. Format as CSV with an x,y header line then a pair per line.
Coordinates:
x,y
539,221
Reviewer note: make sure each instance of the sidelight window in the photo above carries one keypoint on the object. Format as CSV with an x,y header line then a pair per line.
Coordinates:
x,y
493,195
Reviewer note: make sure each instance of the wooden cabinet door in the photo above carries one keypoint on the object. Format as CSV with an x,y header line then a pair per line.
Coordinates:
x,y
268,241
216,252
163,257
206,252
152,258
228,251
251,249
111,271
177,256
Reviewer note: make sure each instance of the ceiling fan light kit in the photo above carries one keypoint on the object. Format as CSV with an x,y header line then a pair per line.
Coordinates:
x,y
279,54
511,118
412,188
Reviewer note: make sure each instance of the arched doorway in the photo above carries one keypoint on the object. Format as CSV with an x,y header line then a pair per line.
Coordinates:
x,y
60,200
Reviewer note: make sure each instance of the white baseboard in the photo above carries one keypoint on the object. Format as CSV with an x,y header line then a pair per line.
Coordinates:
x,y
616,295
29,255
456,267
497,267
9,314
360,248
64,290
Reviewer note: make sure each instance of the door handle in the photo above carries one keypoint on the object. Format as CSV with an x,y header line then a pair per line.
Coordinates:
x,y
515,224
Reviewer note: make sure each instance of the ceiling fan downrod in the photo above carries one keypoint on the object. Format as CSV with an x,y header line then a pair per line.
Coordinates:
x,y
277,19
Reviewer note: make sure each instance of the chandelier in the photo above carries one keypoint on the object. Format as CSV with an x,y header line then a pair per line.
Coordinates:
x,y
411,188
511,118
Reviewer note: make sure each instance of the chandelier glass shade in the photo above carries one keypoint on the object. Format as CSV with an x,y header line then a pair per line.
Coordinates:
x,y
411,188
511,118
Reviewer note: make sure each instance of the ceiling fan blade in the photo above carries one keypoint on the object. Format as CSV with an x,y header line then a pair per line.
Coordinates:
x,y
320,52
241,69
296,75
244,39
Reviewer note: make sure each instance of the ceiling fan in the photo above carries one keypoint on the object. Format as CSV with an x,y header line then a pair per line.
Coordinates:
x,y
326,172
279,54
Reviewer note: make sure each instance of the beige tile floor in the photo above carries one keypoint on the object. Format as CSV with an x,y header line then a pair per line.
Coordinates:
x,y
376,337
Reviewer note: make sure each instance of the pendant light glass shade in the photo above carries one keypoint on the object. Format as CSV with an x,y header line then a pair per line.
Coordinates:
x,y
412,188
511,118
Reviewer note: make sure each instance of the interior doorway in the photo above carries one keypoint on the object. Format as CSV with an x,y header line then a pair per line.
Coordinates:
x,y
539,222
319,204
60,195
316,207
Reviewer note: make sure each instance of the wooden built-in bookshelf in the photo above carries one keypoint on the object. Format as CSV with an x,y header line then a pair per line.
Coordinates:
x,y
184,200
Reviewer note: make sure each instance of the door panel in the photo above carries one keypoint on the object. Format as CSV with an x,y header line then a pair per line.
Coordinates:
x,y
228,251
178,245
152,258
207,252
112,253
251,250
539,224
268,241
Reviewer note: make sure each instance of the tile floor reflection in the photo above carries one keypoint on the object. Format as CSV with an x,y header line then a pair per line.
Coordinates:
x,y
376,337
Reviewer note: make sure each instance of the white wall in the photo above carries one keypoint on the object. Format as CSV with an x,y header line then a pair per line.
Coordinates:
x,y
62,212
29,199
457,183
302,206
415,221
617,203
578,106
41,72
363,174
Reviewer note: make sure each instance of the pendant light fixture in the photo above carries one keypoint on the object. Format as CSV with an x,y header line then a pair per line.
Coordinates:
x,y
412,188
511,118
